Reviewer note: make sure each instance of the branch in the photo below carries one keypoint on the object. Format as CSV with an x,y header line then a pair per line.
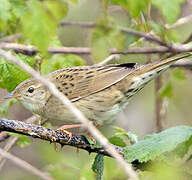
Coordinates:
x,y
179,22
25,165
19,48
51,135
78,114
183,63
4,135
31,50
148,37
177,48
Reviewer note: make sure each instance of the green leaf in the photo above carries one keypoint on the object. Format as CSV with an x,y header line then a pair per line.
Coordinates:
x,y
5,10
117,140
167,91
135,7
120,132
11,75
98,166
169,9
157,144
30,60
90,140
4,108
38,24
183,148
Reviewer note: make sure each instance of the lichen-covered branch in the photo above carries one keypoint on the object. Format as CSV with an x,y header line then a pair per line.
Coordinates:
x,y
51,135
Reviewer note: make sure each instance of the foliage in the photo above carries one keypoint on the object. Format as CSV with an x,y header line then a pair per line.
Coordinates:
x,y
157,144
98,166
11,75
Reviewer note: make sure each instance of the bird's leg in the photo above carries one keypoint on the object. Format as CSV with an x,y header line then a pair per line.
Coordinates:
x,y
67,126
64,127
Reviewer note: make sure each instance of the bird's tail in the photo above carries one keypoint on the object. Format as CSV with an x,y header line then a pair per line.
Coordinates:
x,y
143,74
160,65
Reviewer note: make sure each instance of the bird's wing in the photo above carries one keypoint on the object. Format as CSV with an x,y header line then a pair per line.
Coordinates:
x,y
79,82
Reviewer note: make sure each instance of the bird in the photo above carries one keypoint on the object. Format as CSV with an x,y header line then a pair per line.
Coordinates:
x,y
99,91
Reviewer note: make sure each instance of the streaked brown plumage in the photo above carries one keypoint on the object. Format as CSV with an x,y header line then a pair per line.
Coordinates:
x,y
100,92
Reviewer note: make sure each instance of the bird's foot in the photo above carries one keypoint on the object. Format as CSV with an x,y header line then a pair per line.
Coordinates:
x,y
69,126
63,129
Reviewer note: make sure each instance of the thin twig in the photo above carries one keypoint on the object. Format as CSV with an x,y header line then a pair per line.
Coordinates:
x,y
179,22
25,165
91,128
19,48
10,143
147,37
183,63
70,50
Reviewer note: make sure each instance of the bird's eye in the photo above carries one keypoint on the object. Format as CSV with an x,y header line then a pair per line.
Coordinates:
x,y
31,89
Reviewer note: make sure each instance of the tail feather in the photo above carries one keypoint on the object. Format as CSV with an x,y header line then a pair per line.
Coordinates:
x,y
161,64
143,74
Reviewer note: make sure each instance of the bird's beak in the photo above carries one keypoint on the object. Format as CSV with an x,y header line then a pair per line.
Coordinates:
x,y
12,95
